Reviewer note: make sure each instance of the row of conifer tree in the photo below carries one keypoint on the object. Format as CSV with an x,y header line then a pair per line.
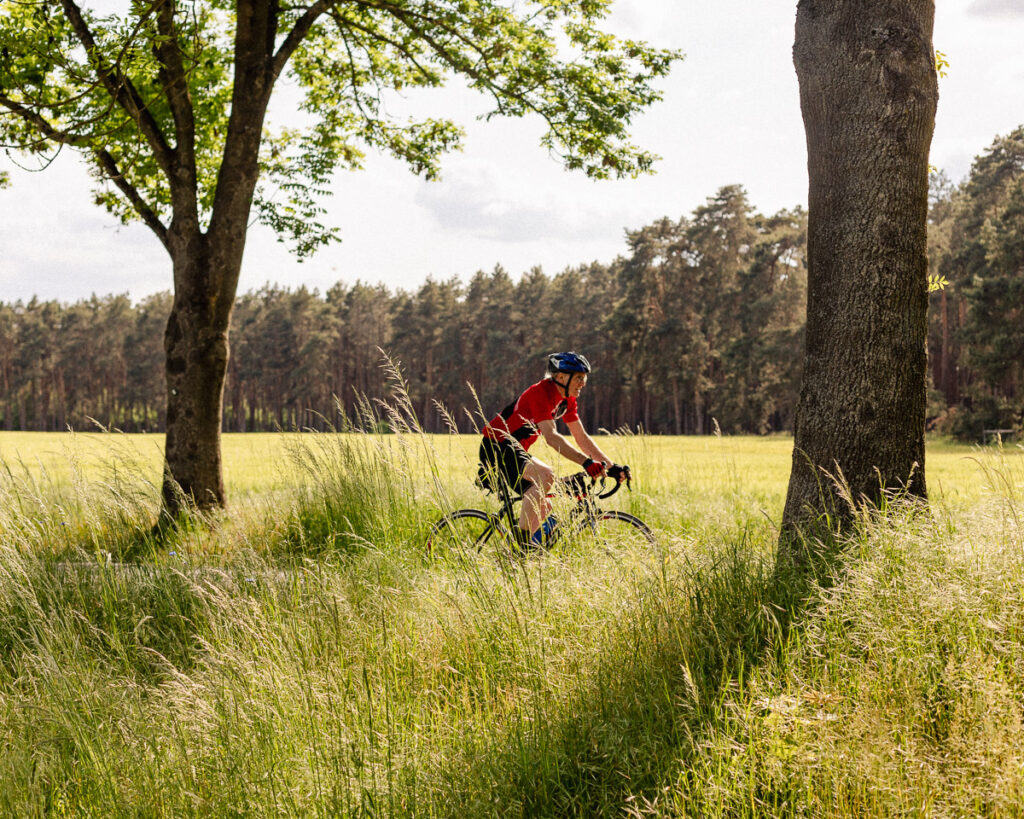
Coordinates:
x,y
698,326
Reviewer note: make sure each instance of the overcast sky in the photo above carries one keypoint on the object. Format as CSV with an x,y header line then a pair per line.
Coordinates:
x,y
730,114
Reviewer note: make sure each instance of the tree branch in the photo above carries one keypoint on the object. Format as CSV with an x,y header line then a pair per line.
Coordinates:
x,y
120,87
298,33
43,125
175,84
344,22
146,213
353,80
77,134
106,161
496,89
401,14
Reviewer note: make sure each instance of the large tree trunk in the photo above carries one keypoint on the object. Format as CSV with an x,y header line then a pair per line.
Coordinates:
x,y
196,344
677,406
206,270
868,95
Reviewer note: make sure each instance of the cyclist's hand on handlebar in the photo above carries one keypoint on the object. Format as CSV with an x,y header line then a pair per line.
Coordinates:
x,y
595,469
620,473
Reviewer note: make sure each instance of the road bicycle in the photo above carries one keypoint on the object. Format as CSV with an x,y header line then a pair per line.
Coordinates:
x,y
476,529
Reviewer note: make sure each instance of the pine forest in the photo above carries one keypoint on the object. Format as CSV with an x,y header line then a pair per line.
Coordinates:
x,y
698,328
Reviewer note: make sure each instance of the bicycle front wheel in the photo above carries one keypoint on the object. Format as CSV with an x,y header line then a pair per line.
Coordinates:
x,y
465,530
615,529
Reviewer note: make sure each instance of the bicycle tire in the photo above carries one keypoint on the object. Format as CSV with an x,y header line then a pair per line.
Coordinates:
x,y
630,530
463,530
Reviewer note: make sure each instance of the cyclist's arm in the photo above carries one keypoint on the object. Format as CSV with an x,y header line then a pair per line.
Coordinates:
x,y
586,443
560,443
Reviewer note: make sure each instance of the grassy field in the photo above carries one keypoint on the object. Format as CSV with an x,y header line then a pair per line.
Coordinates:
x,y
254,464
300,655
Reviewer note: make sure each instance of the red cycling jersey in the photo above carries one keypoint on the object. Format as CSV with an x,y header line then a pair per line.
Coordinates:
x,y
541,402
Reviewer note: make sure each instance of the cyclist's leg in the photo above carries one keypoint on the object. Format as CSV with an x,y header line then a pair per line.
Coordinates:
x,y
504,463
489,472
536,506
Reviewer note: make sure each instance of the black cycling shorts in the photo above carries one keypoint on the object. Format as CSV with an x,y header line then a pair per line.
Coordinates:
x,y
505,461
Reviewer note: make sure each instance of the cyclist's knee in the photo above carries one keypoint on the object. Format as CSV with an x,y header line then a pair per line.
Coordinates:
x,y
540,474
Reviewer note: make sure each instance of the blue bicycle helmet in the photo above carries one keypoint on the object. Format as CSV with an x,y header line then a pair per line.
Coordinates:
x,y
568,363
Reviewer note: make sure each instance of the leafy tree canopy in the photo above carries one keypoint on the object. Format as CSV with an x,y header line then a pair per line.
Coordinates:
x,y
144,89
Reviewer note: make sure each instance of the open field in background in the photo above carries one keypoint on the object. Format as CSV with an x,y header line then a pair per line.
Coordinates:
x,y
752,467
301,656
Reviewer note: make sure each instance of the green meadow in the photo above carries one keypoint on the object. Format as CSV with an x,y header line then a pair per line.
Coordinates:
x,y
301,655
256,463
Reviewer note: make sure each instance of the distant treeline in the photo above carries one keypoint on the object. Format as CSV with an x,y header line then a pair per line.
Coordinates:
x,y
976,332
701,323
701,320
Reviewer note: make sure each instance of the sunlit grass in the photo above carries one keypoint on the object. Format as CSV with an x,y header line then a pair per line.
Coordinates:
x,y
300,655
754,467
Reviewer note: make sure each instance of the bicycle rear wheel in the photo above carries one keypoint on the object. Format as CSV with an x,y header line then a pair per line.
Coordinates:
x,y
462,531
614,529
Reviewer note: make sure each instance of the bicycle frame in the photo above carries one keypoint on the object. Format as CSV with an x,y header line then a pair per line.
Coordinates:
x,y
583,514
574,486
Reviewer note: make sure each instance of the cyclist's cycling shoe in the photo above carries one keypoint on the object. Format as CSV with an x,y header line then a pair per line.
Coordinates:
x,y
545,537
540,541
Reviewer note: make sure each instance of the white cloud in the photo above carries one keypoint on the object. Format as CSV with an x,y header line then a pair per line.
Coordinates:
x,y
485,200
59,245
1001,9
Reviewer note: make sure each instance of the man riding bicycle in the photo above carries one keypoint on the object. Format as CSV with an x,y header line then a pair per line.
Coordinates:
x,y
509,435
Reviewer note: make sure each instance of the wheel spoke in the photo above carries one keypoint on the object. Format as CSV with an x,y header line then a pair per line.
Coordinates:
x,y
472,531
462,532
619,530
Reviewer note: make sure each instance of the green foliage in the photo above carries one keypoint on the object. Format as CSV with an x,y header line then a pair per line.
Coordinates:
x,y
61,91
147,94
96,362
703,319
712,312
995,331
977,241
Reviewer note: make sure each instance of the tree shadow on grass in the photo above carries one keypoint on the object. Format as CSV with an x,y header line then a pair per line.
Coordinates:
x,y
138,621
654,701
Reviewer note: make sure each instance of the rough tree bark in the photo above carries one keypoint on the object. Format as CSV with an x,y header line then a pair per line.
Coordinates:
x,y
206,271
868,94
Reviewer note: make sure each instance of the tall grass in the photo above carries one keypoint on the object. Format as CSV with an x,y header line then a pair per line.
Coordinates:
x,y
301,656
898,694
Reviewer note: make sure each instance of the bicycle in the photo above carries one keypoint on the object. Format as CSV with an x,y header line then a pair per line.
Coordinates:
x,y
474,529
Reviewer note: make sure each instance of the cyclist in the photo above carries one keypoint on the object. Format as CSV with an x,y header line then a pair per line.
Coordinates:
x,y
509,435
